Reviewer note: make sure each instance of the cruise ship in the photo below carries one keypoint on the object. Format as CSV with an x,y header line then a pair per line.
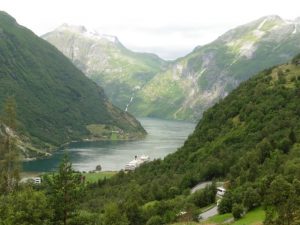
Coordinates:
x,y
136,162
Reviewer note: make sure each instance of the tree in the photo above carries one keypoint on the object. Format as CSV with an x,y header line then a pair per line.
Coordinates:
x,y
9,157
155,220
85,218
237,210
113,216
65,189
265,149
251,198
226,203
133,212
281,202
25,207
205,196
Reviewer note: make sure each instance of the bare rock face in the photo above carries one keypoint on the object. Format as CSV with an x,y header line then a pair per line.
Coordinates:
x,y
105,60
210,72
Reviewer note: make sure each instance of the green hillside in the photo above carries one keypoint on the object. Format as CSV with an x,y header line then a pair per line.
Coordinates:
x,y
55,102
251,139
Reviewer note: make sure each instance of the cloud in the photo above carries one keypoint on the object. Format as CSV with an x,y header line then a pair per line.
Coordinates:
x,y
169,28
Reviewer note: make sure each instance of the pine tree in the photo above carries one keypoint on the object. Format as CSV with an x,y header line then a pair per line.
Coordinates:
x,y
66,187
9,157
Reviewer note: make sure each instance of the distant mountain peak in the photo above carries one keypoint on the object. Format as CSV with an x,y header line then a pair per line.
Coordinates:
x,y
92,34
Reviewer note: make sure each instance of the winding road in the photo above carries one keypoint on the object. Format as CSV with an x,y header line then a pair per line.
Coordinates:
x,y
211,212
200,186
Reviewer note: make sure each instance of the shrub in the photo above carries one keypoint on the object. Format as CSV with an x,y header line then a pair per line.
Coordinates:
x,y
237,210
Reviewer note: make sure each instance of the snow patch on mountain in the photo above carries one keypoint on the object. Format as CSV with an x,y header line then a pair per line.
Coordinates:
x,y
247,49
97,36
244,48
92,34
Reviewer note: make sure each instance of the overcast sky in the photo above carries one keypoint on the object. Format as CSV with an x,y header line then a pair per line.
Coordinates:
x,y
169,28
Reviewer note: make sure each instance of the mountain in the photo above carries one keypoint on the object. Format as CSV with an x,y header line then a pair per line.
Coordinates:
x,y
56,102
193,83
105,60
250,139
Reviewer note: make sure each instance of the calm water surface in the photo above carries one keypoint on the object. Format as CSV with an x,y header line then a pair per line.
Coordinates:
x,y
163,137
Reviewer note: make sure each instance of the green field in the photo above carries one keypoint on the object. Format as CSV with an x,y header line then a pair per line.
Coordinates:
x,y
186,223
218,219
94,177
255,217
90,177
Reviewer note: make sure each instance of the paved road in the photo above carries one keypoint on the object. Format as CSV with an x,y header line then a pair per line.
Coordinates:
x,y
200,186
209,213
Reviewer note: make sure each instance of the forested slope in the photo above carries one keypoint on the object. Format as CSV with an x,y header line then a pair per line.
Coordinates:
x,y
250,139
55,102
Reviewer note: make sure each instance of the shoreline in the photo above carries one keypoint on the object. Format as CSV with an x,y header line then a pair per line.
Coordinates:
x,y
90,175
86,140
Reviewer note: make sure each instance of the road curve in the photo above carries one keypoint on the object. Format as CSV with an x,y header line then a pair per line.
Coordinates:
x,y
200,186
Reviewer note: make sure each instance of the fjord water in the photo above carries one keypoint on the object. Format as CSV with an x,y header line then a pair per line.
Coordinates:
x,y
163,137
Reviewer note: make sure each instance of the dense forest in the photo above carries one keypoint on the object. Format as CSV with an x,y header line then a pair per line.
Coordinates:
x,y
250,140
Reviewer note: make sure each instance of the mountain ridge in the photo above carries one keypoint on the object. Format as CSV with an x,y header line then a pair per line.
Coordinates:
x,y
107,61
55,101
194,82
182,89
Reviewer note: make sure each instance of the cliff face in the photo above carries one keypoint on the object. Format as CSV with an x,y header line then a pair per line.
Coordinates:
x,y
147,86
193,83
121,72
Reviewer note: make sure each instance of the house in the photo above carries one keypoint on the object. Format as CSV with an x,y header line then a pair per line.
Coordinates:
x,y
37,180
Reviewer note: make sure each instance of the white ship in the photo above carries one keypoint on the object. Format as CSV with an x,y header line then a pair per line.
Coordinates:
x,y
136,162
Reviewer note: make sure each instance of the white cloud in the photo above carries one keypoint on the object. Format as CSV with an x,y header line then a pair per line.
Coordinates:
x,y
169,28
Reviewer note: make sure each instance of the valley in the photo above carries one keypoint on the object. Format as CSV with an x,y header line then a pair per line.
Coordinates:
x,y
68,101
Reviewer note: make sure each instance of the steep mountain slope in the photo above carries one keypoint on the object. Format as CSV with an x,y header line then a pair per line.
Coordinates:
x,y
210,72
105,60
251,138
55,102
